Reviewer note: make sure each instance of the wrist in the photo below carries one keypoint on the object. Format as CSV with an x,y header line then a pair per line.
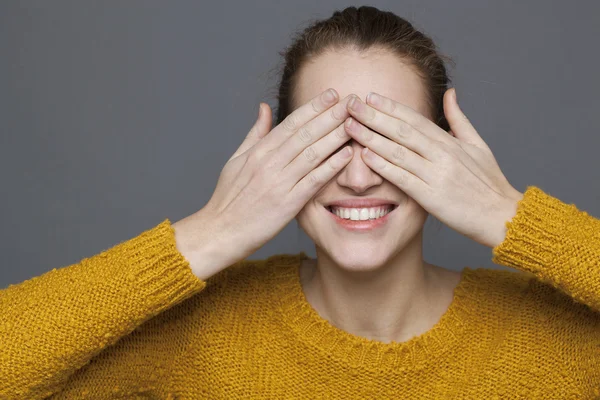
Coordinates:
x,y
197,245
510,210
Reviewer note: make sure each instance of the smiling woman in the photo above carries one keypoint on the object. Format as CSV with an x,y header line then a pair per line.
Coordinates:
x,y
178,312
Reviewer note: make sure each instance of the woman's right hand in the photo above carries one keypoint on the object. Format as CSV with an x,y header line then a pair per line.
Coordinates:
x,y
266,183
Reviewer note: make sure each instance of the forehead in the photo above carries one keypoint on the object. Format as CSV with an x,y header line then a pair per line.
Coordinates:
x,y
351,71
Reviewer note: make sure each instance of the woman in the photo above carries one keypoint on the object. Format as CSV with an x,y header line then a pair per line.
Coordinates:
x,y
178,312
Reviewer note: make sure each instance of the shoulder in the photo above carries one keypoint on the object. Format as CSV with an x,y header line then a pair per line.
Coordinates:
x,y
541,298
246,285
498,286
246,288
546,321
247,275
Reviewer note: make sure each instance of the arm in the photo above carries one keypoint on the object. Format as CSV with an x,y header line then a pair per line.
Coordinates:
x,y
557,243
54,324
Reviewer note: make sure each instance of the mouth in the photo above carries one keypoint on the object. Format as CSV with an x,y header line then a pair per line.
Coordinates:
x,y
375,219
392,208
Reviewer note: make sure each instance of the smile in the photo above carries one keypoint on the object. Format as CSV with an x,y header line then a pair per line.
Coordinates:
x,y
380,215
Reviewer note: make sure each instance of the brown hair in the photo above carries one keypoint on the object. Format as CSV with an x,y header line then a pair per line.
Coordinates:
x,y
364,28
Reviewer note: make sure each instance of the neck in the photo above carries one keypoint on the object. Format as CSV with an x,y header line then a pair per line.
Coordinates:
x,y
393,302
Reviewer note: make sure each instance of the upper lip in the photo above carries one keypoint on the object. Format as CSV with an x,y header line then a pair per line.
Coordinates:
x,y
360,203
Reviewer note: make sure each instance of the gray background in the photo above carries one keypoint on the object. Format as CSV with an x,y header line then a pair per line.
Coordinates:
x,y
116,115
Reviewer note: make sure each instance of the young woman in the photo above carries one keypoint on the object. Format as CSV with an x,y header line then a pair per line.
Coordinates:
x,y
177,312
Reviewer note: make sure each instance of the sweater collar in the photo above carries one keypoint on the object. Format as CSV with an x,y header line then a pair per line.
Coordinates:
x,y
332,342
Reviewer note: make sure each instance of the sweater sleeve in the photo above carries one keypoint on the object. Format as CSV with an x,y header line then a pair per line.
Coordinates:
x,y
54,324
557,243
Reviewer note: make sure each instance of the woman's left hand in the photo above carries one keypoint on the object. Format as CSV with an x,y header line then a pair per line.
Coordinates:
x,y
452,175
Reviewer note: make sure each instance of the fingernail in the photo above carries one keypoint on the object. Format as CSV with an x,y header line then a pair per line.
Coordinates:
x,y
350,124
373,98
259,110
354,104
329,96
347,152
455,97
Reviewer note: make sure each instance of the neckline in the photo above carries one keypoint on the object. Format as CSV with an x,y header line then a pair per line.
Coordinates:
x,y
356,351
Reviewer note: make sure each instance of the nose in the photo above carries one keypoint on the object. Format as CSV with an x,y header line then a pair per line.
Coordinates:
x,y
357,175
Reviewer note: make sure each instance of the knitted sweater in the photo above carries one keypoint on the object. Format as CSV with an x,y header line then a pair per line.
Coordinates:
x,y
135,322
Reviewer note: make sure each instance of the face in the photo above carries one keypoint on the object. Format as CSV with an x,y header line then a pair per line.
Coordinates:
x,y
350,72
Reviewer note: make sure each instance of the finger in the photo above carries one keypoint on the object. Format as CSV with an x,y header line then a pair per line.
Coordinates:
x,y
459,123
315,154
306,188
265,121
397,130
261,127
407,182
299,117
313,132
410,116
393,152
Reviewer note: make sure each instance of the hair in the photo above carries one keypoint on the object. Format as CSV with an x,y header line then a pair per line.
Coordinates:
x,y
366,28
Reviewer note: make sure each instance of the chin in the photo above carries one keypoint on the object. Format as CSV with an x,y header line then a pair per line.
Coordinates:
x,y
363,259
367,252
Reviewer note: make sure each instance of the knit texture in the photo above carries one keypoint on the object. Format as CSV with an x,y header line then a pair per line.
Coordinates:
x,y
135,322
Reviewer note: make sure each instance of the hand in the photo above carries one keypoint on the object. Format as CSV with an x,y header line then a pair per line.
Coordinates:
x,y
266,183
452,175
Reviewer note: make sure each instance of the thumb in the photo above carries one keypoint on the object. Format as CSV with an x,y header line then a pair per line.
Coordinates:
x,y
264,121
460,126
261,127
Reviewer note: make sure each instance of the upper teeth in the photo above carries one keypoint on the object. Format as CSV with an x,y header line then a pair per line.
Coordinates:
x,y
361,214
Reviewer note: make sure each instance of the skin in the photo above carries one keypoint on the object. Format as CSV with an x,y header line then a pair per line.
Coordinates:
x,y
375,284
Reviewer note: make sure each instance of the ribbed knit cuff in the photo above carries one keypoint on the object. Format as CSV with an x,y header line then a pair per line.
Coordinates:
x,y
159,272
557,242
534,236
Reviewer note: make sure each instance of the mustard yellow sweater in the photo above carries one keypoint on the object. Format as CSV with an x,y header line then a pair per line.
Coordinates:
x,y
134,322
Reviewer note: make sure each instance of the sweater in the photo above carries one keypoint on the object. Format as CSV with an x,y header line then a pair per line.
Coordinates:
x,y
134,322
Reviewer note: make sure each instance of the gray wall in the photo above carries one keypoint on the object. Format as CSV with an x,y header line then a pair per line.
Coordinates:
x,y
115,115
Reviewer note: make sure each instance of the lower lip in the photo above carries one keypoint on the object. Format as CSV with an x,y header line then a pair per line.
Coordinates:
x,y
361,225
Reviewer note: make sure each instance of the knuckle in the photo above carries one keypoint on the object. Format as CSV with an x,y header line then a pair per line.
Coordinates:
x,y
314,179
367,134
403,130
254,157
315,106
332,164
290,122
392,107
336,113
340,132
399,153
402,178
304,134
310,153
370,115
